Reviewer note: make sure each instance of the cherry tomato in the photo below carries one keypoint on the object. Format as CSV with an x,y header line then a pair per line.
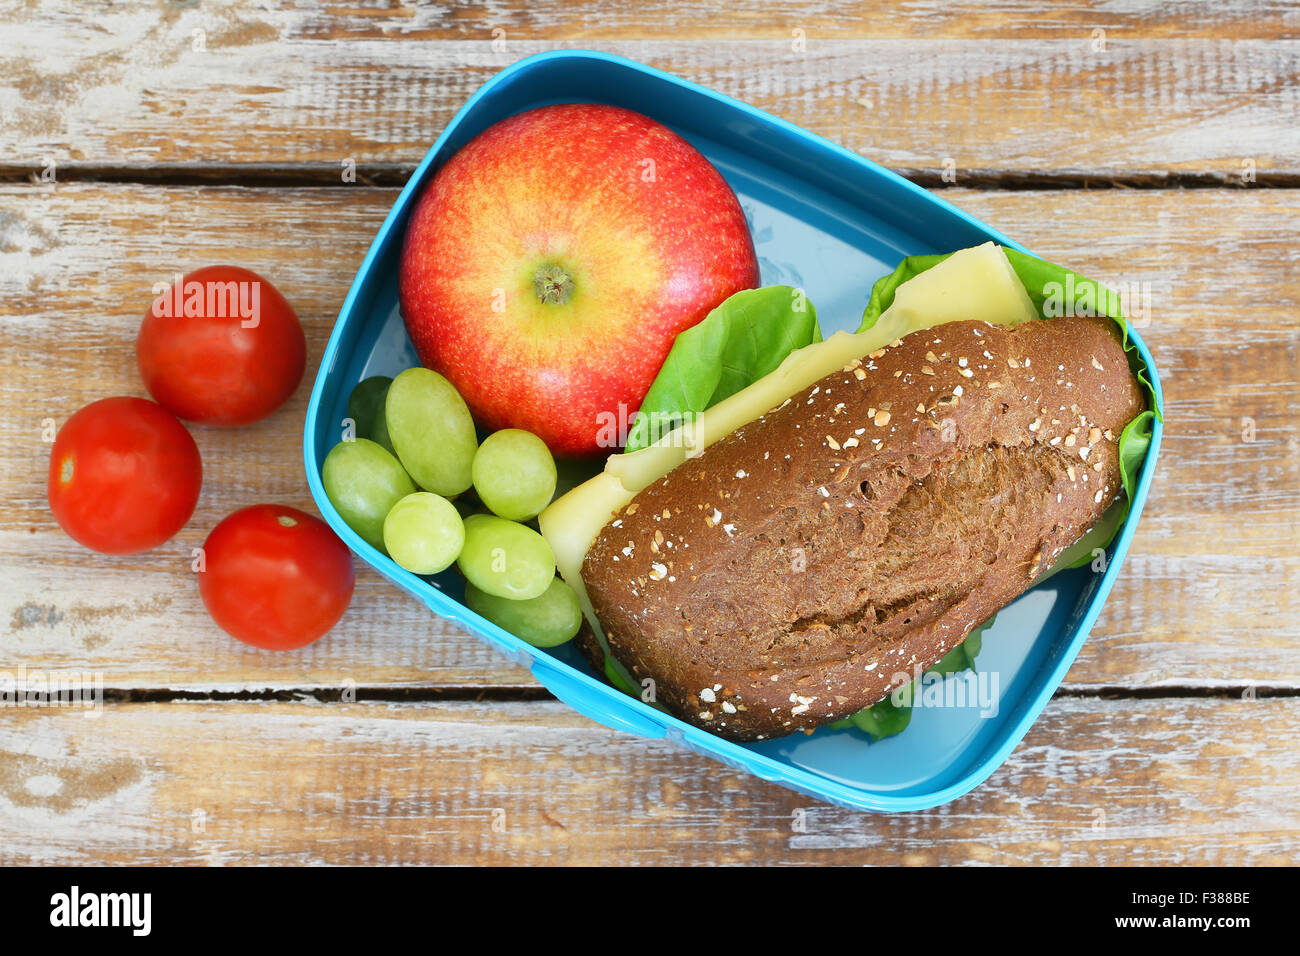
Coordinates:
x,y
275,577
221,347
124,475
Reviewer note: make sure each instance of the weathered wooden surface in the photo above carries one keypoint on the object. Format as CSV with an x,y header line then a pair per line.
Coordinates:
x,y
1150,755
1211,591
1126,783
533,783
1093,90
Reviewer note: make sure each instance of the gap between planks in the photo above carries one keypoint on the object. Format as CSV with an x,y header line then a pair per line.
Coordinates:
x,y
479,693
387,174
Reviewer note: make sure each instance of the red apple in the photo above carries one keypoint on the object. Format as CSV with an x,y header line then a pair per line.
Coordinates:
x,y
552,261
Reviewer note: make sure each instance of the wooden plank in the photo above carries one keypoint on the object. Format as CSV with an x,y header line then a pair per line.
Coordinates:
x,y
1095,782
1014,88
77,266
592,20
1216,547
1210,592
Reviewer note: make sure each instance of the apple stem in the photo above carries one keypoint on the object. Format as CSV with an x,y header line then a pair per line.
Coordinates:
x,y
552,284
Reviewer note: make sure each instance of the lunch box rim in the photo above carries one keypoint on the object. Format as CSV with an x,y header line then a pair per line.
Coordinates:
x,y
604,703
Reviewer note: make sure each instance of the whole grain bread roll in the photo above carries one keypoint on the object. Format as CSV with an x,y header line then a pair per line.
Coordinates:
x,y
801,567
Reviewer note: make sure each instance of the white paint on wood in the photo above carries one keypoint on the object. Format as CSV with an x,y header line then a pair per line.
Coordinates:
x,y
1209,592
285,87
1197,781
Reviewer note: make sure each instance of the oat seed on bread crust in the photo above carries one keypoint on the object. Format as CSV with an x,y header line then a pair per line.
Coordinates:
x,y
803,565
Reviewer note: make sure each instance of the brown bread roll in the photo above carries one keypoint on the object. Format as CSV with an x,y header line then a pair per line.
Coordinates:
x,y
798,569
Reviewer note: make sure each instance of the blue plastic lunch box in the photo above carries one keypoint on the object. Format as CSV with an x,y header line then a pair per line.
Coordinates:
x,y
831,223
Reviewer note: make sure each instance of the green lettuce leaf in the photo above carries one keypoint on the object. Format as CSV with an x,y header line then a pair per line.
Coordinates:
x,y
739,342
1134,441
885,718
962,657
880,720
616,678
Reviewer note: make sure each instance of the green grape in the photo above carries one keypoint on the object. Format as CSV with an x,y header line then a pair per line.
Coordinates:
x,y
514,474
544,621
431,430
379,430
423,533
505,558
363,482
365,398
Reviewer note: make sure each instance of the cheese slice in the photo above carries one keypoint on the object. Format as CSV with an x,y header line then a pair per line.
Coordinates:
x,y
976,283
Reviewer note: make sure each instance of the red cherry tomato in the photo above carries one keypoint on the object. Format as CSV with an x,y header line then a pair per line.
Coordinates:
x,y
221,347
275,577
124,475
